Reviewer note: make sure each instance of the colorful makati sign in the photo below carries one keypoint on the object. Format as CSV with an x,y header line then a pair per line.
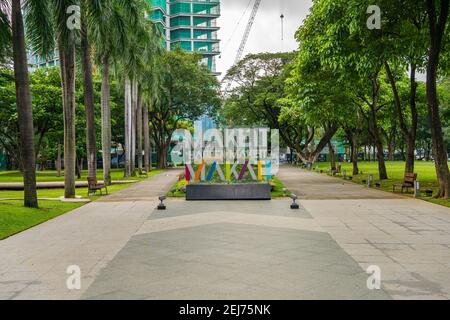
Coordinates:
x,y
231,153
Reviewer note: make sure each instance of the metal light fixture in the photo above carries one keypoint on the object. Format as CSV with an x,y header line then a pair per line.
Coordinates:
x,y
294,205
162,206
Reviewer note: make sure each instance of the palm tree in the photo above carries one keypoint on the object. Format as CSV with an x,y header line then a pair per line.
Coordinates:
x,y
24,105
136,57
151,92
112,36
92,12
50,23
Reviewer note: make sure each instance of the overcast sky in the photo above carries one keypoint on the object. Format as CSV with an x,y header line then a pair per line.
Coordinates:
x,y
266,32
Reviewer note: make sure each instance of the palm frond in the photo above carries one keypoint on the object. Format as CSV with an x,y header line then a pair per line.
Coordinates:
x,y
5,30
39,26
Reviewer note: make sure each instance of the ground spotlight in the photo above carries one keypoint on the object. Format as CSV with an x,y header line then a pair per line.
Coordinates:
x,y
294,205
162,206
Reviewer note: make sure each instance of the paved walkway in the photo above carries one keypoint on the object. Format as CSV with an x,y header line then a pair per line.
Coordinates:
x,y
148,190
408,239
309,185
236,250
33,264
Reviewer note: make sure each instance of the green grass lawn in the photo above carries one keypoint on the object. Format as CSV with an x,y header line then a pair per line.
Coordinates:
x,y
50,176
56,193
426,175
15,218
277,191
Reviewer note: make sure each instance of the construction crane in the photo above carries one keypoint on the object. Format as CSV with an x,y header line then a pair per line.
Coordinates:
x,y
244,40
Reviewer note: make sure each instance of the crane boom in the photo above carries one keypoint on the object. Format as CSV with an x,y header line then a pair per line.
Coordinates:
x,y
247,31
244,40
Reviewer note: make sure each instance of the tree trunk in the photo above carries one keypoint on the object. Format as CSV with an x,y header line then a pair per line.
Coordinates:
x,y
24,106
411,138
78,168
353,141
332,156
375,131
391,150
410,156
106,121
86,66
147,147
374,150
437,31
409,134
128,127
381,162
162,156
134,98
139,128
355,156
67,59
58,161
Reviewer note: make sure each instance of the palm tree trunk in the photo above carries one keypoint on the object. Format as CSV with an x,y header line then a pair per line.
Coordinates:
x,y
67,60
24,106
128,128
86,66
106,121
147,148
134,98
139,133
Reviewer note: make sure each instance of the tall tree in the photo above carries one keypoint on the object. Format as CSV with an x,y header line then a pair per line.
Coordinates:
x,y
189,91
91,12
406,35
336,34
438,13
66,45
147,146
24,105
59,19
112,35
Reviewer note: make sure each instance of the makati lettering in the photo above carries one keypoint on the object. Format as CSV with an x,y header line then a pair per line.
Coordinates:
x,y
252,150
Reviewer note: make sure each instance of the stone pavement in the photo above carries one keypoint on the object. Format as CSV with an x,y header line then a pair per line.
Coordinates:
x,y
236,250
231,250
408,239
33,264
310,185
147,190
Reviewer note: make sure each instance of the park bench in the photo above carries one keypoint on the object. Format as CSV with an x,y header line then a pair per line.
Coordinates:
x,y
94,186
408,182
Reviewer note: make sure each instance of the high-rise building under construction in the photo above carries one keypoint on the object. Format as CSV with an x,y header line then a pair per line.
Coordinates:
x,y
191,25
